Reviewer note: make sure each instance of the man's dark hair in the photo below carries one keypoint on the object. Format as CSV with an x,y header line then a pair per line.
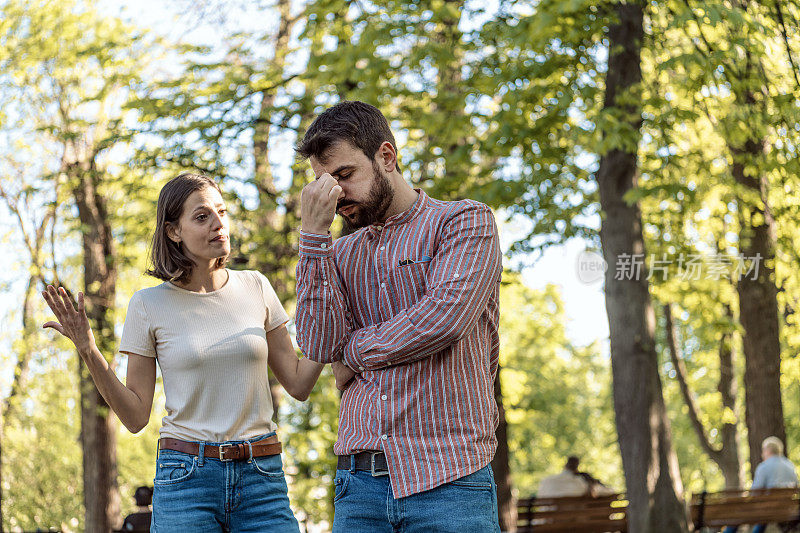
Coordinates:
x,y
360,124
572,463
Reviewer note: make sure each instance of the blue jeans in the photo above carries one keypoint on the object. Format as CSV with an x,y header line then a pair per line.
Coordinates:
x,y
758,528
199,494
366,504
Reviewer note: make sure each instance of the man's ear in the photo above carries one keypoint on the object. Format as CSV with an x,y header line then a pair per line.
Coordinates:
x,y
387,156
172,233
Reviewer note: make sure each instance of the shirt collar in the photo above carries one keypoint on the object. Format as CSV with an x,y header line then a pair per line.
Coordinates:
x,y
406,216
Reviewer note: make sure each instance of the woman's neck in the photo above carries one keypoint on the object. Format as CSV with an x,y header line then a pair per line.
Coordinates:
x,y
205,280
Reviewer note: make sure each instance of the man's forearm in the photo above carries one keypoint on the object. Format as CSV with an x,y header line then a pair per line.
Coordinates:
x,y
324,324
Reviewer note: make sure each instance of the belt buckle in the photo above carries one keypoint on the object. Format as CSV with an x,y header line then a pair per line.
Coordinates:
x,y
222,448
372,466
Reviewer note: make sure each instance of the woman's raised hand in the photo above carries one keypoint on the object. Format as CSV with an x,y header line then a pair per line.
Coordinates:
x,y
71,323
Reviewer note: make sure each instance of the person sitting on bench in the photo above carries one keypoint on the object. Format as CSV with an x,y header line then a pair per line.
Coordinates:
x,y
140,520
774,472
567,483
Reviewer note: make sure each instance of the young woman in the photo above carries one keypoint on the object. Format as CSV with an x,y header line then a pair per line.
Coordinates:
x,y
213,332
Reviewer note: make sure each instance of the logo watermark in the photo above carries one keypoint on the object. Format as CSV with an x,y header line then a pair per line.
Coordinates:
x,y
591,267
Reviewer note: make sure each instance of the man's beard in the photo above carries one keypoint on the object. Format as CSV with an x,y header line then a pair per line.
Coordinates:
x,y
374,208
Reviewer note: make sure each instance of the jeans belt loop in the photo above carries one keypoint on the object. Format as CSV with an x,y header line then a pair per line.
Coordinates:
x,y
352,463
250,445
372,466
201,454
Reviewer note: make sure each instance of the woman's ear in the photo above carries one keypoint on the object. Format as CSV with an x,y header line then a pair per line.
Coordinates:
x,y
172,233
387,156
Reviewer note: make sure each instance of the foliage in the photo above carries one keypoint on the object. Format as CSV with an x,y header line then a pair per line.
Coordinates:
x,y
558,396
502,105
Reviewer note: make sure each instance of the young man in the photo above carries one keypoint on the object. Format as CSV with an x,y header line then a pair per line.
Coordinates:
x,y
409,302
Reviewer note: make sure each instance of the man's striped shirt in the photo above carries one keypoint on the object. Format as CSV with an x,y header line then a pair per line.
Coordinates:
x,y
413,306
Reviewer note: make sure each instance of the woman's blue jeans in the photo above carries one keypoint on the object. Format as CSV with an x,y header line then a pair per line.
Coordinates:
x,y
199,494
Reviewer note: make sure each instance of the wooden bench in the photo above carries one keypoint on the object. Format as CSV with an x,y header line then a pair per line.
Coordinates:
x,y
579,514
738,507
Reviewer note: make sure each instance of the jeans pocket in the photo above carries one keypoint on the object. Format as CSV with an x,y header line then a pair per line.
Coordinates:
x,y
340,484
269,466
171,470
479,480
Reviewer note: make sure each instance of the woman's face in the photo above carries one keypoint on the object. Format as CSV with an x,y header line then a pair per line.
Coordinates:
x,y
202,228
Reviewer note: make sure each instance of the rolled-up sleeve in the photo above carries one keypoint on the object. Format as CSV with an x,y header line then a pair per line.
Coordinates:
x,y
324,323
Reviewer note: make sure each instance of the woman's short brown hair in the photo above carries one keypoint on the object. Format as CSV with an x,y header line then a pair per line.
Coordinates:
x,y
168,262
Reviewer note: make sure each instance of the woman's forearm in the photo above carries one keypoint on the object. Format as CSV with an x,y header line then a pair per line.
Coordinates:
x,y
132,410
306,374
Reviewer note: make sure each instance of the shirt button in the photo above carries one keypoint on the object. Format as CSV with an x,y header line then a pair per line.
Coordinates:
x,y
384,397
383,285
384,436
323,246
455,275
383,247
361,368
325,283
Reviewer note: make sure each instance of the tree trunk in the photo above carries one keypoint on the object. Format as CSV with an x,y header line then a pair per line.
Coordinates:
x,y
273,251
651,468
730,462
35,244
727,456
758,304
449,102
506,505
20,377
98,428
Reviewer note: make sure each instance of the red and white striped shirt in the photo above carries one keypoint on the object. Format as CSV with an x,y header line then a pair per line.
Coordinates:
x,y
413,306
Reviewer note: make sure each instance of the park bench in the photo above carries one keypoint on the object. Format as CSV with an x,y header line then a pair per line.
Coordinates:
x,y
581,514
739,507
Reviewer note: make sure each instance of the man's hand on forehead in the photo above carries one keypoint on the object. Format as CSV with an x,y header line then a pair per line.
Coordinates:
x,y
318,203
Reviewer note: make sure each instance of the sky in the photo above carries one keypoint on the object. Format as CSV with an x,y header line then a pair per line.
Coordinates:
x,y
181,20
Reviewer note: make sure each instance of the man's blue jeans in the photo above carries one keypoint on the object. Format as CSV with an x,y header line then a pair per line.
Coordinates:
x,y
758,528
199,494
366,504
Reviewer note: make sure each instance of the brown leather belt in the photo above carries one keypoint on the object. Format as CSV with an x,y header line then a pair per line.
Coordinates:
x,y
225,452
374,462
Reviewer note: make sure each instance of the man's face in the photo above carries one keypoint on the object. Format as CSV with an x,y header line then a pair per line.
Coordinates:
x,y
366,191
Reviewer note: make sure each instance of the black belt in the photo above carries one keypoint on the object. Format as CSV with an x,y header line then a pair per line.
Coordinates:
x,y
370,461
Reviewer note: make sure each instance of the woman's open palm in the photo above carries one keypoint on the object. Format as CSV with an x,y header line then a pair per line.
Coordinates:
x,y
72,323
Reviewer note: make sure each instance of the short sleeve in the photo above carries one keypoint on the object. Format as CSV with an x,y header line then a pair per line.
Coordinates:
x,y
276,315
137,333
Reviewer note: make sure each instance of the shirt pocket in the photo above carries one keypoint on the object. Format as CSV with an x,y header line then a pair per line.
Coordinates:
x,y
409,284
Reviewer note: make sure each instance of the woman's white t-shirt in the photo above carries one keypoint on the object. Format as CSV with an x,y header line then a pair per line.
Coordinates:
x,y
212,350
